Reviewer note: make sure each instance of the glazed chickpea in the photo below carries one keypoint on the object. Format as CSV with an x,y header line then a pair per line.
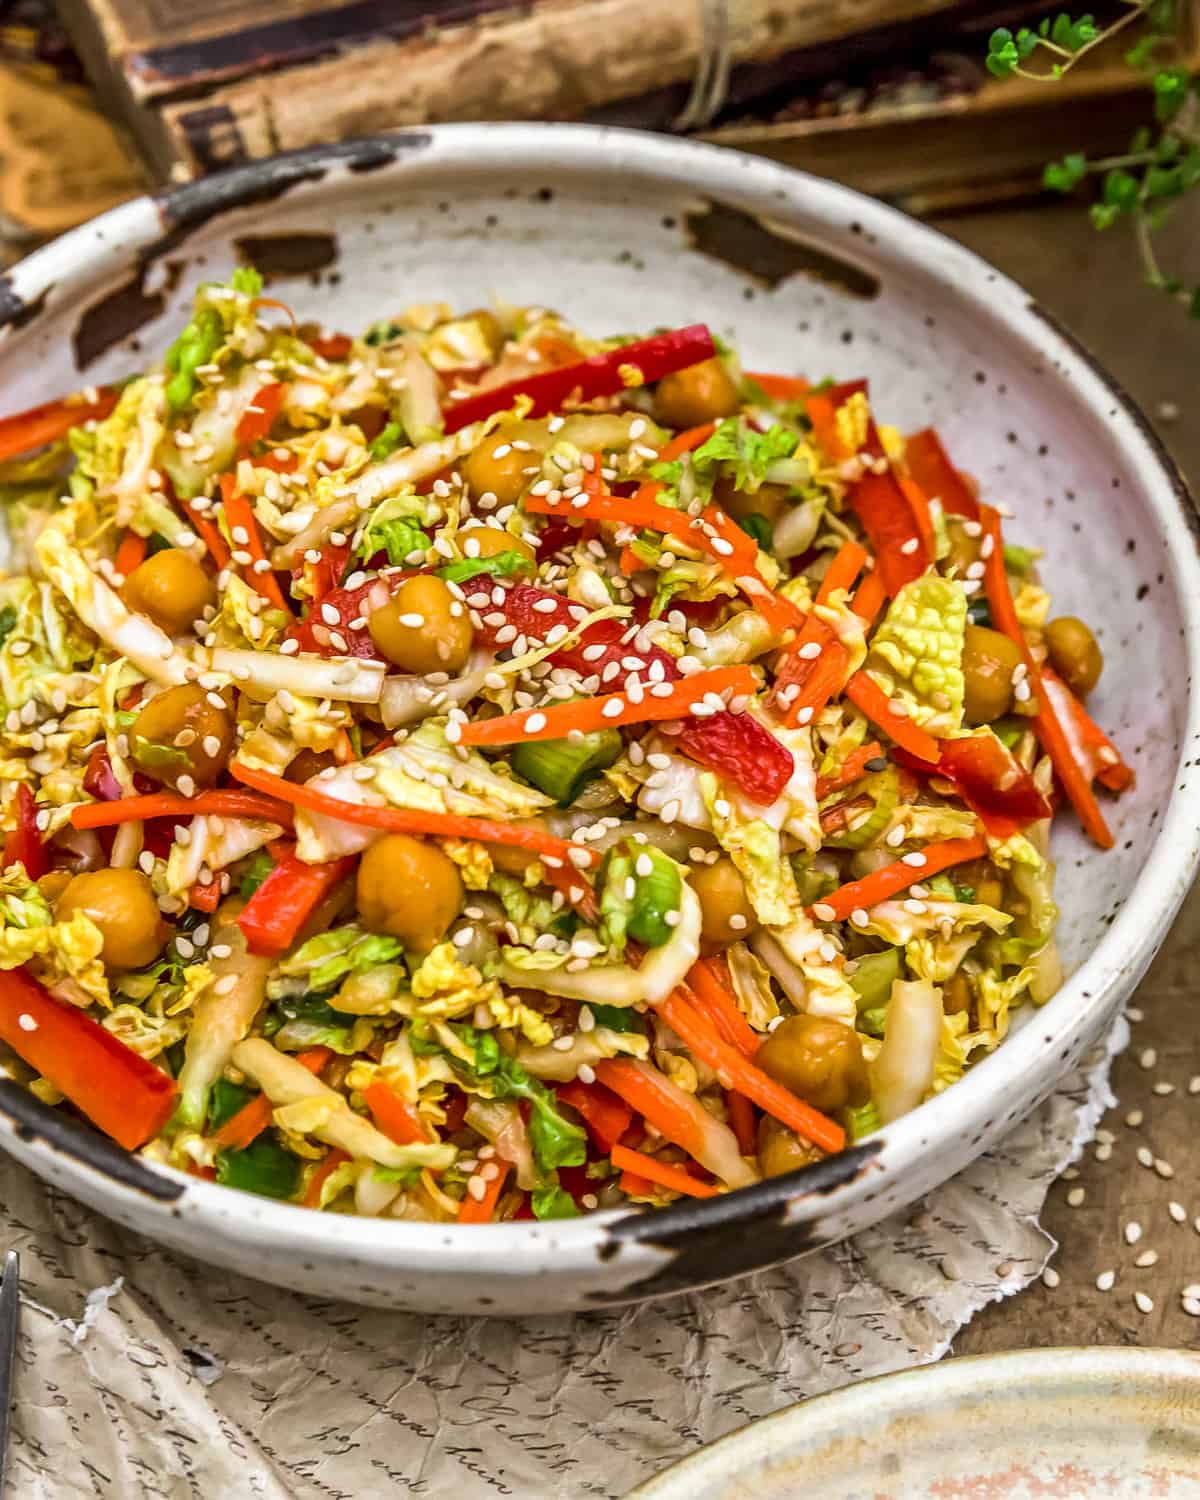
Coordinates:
x,y
309,763
423,627
409,889
172,588
510,860
964,548
819,1059
1074,654
989,660
768,501
491,541
498,468
181,733
122,905
53,884
781,1150
725,911
701,393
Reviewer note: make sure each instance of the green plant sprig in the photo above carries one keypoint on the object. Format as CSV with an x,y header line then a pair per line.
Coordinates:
x,y
1143,184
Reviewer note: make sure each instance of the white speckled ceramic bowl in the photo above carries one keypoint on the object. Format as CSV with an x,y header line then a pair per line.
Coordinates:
x,y
1075,1424
625,231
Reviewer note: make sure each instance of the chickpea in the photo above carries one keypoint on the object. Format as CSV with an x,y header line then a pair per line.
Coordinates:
x,y
182,733
701,393
964,548
309,763
423,627
1074,654
817,1058
956,994
172,588
510,860
491,541
409,889
989,660
499,468
54,883
122,905
726,913
982,876
768,501
781,1150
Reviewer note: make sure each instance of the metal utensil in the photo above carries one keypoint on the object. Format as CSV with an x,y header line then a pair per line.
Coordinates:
x,y
10,1306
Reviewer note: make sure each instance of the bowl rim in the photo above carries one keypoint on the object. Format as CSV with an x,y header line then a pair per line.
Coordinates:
x,y
717,173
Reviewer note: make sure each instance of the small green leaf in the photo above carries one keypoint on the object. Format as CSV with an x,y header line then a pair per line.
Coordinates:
x,y
1063,176
1120,190
1103,216
1170,92
1003,57
1162,182
1140,140
1194,304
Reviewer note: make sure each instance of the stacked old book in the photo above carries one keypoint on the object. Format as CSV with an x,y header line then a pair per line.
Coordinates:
x,y
889,95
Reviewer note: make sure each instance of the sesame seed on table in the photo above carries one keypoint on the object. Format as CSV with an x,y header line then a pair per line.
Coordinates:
x,y
1127,1215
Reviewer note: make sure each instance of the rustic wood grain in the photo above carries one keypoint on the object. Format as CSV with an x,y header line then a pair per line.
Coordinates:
x,y
1091,282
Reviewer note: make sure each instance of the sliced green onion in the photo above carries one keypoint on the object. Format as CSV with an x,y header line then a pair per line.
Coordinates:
x,y
812,883
656,895
1019,560
883,788
618,1017
562,768
873,1022
225,1101
943,886
759,528
388,440
264,1168
873,979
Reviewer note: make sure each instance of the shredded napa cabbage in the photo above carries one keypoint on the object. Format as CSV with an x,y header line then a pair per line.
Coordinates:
x,y
916,653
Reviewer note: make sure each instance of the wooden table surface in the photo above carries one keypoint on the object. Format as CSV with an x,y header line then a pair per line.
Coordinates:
x,y
1153,349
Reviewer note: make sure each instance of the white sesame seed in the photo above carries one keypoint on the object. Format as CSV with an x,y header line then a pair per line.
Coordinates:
x,y
1133,1232
917,861
1143,1303
1191,1306
26,1022
895,837
534,723
1148,1057
1145,1156
859,917
824,913
1103,1151
613,708
1177,1211
1134,1118
1105,1281
226,984
1075,1197
185,786
1050,1277
909,547
1164,1168
1163,1089
476,1187
1146,1259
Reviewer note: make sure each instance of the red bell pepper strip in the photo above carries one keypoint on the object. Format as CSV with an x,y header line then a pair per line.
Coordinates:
x,y
555,721
224,804
47,423
205,897
406,820
892,879
119,1091
661,1173
738,1072
881,505
741,749
259,417
1099,759
24,844
1047,725
239,517
130,553
398,1120
937,477
601,375
315,634
866,694
273,917
989,779
606,1115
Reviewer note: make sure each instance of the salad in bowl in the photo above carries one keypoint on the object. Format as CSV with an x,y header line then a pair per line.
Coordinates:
x,y
475,771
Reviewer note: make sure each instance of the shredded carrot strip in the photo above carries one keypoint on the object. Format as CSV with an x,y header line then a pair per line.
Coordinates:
x,y
852,769
865,693
239,514
817,679
1046,723
130,553
27,430
653,1102
740,1073
634,1186
650,1169
714,997
588,714
240,1130
480,1210
893,878
823,415
869,599
403,820
395,1116
312,1194
780,387
686,441
230,804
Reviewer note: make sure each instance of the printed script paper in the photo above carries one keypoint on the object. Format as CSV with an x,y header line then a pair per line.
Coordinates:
x,y
141,1374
